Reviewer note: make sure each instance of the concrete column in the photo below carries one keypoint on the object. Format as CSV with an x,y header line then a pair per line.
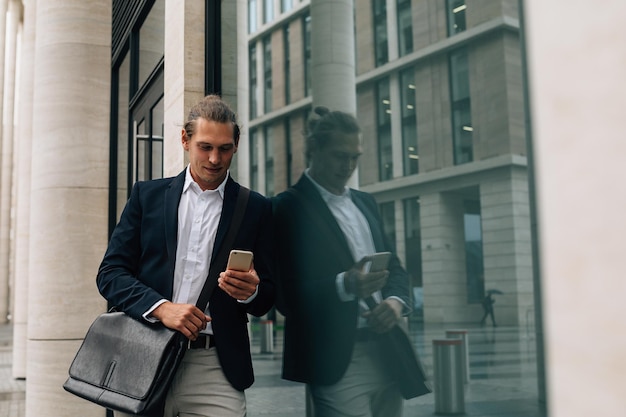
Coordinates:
x,y
443,258
333,64
22,216
69,189
332,54
5,184
184,76
577,96
13,17
506,246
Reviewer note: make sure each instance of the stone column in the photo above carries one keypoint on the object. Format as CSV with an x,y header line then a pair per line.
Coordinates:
x,y
184,78
333,64
506,245
13,17
22,217
332,54
5,185
443,258
69,189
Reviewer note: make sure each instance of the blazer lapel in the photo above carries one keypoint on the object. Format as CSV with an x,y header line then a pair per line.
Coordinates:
x,y
230,198
377,234
172,198
326,221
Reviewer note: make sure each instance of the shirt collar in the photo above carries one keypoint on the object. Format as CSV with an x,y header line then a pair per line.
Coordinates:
x,y
327,196
189,182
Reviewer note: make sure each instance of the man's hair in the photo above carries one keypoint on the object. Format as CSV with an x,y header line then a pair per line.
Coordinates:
x,y
211,108
322,130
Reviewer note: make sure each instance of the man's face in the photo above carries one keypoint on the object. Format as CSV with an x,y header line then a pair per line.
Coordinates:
x,y
333,165
211,150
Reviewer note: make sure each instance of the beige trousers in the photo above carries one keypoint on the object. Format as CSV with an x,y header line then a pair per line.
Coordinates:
x,y
366,389
201,389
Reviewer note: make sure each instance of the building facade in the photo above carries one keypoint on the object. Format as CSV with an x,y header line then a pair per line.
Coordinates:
x,y
98,92
439,97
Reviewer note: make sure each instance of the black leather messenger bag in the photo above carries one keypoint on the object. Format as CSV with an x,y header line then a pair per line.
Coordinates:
x,y
127,365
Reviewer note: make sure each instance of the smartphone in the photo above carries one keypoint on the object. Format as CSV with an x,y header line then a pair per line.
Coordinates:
x,y
379,262
240,260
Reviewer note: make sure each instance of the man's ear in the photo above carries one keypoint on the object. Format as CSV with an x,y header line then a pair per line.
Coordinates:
x,y
184,139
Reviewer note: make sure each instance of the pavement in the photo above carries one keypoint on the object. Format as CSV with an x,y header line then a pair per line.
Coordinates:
x,y
502,374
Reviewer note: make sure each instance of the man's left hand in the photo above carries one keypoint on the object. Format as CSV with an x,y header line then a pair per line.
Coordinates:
x,y
384,316
239,284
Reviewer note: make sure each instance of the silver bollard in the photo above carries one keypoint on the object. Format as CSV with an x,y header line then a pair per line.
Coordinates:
x,y
267,336
449,388
463,335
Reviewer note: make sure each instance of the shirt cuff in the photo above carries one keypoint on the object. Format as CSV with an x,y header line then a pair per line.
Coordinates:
x,y
252,297
147,316
341,288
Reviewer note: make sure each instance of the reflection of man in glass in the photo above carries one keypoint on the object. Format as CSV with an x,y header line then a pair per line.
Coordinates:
x,y
325,233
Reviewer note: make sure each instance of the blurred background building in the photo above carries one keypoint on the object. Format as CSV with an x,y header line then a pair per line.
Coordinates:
x,y
94,94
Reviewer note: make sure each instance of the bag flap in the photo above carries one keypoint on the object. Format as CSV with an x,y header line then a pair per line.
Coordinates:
x,y
124,355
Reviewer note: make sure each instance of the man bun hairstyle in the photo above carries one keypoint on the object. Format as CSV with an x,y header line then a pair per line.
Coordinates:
x,y
212,108
322,129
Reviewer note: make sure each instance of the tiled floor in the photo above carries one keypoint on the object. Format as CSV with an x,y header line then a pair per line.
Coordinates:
x,y
503,376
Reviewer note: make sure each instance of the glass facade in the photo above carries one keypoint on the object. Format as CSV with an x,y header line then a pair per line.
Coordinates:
x,y
409,122
462,128
381,46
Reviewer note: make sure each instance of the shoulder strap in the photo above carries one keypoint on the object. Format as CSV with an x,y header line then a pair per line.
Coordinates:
x,y
222,254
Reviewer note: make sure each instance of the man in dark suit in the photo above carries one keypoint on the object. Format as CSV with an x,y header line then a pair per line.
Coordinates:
x,y
325,234
159,256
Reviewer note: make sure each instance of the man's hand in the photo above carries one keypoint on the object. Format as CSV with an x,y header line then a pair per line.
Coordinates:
x,y
384,316
363,284
186,318
239,284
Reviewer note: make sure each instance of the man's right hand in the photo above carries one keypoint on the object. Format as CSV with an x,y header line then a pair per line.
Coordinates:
x,y
363,284
186,318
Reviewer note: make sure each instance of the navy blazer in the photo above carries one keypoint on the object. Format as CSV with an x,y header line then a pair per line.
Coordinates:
x,y
138,266
320,329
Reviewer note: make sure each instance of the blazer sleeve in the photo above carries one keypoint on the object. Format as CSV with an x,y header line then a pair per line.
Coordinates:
x,y
118,278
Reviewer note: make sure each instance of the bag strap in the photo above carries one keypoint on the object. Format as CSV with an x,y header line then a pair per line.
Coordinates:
x,y
221,257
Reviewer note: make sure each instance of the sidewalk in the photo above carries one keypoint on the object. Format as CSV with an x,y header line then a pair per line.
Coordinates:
x,y
503,376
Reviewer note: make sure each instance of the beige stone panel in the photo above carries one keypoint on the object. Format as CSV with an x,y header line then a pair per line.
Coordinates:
x,y
69,238
577,94
22,232
49,362
184,74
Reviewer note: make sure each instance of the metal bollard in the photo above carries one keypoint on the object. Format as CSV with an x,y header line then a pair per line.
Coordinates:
x,y
462,334
449,388
267,336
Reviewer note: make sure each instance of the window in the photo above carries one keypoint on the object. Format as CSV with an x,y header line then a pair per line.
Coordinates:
x,y
252,16
269,160
267,74
286,5
388,216
473,251
254,160
268,11
462,130
287,72
254,83
151,41
409,123
381,49
413,240
383,119
405,27
456,16
307,54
